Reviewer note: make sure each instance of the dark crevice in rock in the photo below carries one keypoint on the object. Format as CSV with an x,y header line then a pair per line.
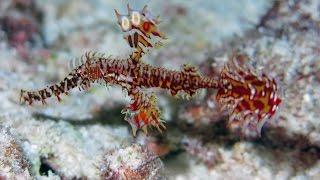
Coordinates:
x,y
45,167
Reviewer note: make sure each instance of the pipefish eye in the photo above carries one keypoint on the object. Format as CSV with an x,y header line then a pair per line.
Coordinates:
x,y
135,18
125,23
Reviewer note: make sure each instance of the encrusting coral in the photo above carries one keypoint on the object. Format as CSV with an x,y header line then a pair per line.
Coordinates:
x,y
13,161
132,162
250,98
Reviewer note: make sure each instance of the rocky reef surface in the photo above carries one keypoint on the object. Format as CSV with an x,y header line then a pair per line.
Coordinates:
x,y
85,136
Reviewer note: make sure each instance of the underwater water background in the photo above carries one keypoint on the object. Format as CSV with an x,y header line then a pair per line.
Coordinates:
x,y
85,136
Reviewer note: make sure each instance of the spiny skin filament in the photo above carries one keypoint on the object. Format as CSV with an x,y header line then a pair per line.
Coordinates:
x,y
143,111
250,99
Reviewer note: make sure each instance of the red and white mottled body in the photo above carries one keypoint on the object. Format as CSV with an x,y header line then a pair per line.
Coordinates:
x,y
251,99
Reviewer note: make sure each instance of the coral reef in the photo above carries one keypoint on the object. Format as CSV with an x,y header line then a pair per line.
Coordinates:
x,y
13,162
79,137
284,46
132,162
208,153
20,20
